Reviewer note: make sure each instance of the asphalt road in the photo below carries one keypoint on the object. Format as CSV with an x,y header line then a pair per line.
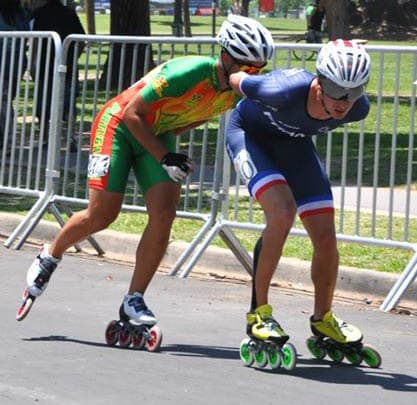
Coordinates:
x,y
57,355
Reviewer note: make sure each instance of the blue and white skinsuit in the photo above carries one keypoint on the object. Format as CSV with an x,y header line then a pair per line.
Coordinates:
x,y
268,138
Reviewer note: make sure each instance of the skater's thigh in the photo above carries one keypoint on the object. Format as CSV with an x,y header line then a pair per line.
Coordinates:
x,y
104,204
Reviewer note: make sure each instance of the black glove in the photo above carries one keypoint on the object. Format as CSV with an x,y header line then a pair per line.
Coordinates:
x,y
177,165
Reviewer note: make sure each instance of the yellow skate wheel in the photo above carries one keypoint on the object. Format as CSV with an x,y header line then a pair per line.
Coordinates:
x,y
314,348
261,358
371,356
289,358
246,354
274,357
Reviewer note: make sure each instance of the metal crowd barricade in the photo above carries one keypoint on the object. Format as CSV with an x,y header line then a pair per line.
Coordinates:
x,y
28,62
214,195
198,201
364,191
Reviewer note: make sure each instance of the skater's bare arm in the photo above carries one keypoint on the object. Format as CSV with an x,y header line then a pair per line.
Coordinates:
x,y
134,118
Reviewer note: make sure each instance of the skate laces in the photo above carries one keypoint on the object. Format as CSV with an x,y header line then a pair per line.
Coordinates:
x,y
336,323
267,321
47,267
137,302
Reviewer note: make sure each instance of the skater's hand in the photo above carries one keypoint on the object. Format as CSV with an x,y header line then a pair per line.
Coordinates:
x,y
177,165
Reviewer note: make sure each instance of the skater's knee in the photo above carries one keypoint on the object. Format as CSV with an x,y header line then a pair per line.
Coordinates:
x,y
98,220
162,218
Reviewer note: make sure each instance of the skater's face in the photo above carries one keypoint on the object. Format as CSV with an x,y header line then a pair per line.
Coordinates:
x,y
337,109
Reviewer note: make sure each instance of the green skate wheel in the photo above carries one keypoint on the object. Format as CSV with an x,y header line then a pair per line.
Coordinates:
x,y
354,358
274,357
246,354
335,354
261,358
289,358
317,351
371,356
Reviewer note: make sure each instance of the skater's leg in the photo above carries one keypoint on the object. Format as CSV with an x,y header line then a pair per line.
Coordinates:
x,y
325,260
103,208
161,203
279,209
324,267
256,252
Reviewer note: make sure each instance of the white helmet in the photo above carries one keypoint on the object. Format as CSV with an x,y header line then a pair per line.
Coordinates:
x,y
245,39
345,63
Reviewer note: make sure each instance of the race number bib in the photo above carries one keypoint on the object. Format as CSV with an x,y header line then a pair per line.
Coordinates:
x,y
244,165
98,165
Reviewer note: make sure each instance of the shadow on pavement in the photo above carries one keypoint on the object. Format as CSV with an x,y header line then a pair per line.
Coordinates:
x,y
310,369
229,353
344,373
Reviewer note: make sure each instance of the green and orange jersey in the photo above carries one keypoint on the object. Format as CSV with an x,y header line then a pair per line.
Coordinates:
x,y
182,93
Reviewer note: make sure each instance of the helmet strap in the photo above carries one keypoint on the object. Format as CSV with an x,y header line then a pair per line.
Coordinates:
x,y
225,69
322,100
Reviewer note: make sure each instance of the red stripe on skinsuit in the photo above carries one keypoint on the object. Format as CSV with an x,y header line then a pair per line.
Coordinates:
x,y
105,146
267,186
326,210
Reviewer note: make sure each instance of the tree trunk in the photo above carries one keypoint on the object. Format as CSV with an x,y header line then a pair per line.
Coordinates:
x,y
128,17
89,12
245,8
187,20
178,26
337,19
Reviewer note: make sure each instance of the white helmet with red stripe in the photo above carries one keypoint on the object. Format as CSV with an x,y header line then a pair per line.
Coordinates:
x,y
345,63
246,39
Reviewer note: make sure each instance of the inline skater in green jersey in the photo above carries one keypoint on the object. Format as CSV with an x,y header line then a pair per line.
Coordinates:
x,y
135,130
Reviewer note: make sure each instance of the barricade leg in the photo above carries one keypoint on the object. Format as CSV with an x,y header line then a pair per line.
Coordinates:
x,y
401,285
200,250
24,229
187,252
237,249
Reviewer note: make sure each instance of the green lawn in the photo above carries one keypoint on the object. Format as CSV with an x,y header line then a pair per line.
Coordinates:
x,y
351,254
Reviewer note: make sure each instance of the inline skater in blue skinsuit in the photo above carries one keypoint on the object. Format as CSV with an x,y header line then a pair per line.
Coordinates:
x,y
268,138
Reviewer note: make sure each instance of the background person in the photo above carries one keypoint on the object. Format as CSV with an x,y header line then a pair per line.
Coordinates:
x,y
52,15
314,18
12,18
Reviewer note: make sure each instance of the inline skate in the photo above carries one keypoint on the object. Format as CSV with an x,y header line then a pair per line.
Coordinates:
x,y
338,340
267,342
37,278
136,326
